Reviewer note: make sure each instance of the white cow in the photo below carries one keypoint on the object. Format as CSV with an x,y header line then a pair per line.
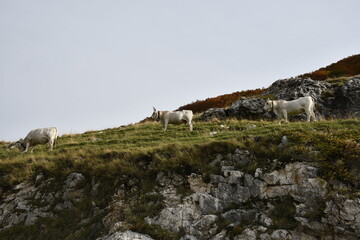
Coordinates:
x,y
282,108
174,117
35,137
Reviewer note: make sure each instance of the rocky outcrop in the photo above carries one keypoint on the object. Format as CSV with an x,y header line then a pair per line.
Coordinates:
x,y
331,101
127,235
293,88
349,98
255,196
281,200
248,108
213,113
32,200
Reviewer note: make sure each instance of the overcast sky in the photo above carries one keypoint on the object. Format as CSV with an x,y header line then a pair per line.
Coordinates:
x,y
85,65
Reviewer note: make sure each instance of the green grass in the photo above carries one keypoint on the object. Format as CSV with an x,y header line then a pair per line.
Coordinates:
x,y
115,152
337,82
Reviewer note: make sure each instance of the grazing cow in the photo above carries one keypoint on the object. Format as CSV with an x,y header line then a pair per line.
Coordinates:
x,y
174,117
35,137
282,108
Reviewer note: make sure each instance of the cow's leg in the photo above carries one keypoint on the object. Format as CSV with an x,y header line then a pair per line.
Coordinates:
x,y
26,147
284,112
190,125
51,142
313,116
313,113
278,115
308,114
166,125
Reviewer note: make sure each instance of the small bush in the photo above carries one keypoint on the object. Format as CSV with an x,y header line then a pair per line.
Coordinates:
x,y
283,213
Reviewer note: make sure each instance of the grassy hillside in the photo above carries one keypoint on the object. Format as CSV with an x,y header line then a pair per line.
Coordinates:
x,y
114,157
114,152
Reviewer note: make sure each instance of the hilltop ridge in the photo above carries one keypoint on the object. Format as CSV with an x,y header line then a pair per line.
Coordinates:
x,y
345,68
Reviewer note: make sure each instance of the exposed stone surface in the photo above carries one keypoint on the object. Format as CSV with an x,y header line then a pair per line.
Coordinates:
x,y
248,108
127,235
343,212
247,234
293,88
30,201
213,113
212,209
198,213
350,94
331,101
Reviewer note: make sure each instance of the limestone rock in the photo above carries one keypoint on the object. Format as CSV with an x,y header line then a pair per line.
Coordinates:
x,y
213,113
280,234
126,236
248,108
350,93
247,234
293,88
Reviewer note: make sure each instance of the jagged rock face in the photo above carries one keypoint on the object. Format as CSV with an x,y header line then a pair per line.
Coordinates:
x,y
258,202
330,101
127,235
293,88
213,113
198,214
30,201
286,89
351,94
341,102
248,108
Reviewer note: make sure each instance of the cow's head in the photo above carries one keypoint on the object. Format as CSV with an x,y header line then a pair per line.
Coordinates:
x,y
19,144
155,116
269,105
11,145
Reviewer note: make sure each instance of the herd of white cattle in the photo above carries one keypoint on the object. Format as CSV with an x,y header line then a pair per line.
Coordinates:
x,y
281,108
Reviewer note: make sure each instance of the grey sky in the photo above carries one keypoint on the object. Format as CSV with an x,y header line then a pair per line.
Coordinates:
x,y
83,65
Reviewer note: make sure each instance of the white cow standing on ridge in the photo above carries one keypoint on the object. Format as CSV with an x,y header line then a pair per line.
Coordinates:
x,y
36,137
284,108
174,117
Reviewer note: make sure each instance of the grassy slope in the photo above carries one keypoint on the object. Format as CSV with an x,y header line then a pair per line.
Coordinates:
x,y
113,152
140,151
